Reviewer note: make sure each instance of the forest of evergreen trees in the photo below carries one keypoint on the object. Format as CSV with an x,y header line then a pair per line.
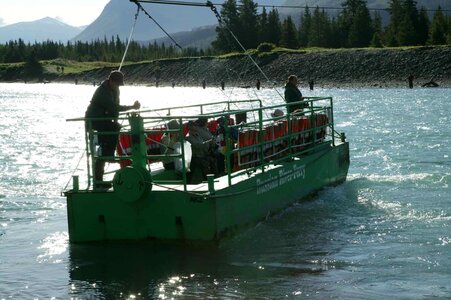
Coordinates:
x,y
108,51
354,26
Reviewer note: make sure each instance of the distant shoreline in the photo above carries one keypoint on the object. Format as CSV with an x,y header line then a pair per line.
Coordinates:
x,y
386,67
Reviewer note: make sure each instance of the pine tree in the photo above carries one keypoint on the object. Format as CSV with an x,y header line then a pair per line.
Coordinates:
x,y
33,68
438,29
319,34
230,18
334,35
407,30
376,41
289,37
263,26
406,34
423,27
304,27
448,35
274,27
356,23
248,20
396,13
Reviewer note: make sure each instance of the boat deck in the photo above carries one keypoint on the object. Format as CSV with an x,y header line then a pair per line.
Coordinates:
x,y
220,183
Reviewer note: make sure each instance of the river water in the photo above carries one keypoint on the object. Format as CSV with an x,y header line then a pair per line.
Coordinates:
x,y
384,233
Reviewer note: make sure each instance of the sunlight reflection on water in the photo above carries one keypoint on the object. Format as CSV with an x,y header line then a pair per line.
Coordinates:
x,y
383,230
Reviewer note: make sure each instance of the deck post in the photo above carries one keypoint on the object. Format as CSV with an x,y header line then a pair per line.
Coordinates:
x,y
211,183
139,151
75,183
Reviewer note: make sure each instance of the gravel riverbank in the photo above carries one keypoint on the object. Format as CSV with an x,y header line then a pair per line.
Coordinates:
x,y
328,68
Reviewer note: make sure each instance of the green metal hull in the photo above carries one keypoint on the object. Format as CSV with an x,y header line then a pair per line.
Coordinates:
x,y
178,215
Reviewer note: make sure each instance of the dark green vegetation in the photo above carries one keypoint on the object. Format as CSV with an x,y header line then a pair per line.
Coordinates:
x,y
108,51
353,27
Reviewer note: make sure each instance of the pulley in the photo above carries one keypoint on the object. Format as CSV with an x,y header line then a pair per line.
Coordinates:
x,y
131,184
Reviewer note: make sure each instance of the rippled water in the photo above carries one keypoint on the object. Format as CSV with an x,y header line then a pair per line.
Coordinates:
x,y
385,232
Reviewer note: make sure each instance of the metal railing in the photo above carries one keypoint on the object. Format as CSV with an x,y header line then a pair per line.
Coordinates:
x,y
263,148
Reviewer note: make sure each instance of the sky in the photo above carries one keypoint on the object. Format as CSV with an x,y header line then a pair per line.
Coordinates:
x,y
72,12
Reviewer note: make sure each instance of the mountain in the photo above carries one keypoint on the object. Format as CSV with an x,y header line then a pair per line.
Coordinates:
x,y
39,30
118,16
200,38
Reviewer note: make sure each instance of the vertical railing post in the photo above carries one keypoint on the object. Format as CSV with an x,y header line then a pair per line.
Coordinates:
x,y
139,150
211,183
331,121
75,183
289,134
182,147
90,148
260,139
228,148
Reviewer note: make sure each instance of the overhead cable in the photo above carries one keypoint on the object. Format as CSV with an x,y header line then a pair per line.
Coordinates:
x,y
129,39
155,21
202,4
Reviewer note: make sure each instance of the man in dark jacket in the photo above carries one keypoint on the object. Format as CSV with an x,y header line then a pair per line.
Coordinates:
x,y
105,104
293,94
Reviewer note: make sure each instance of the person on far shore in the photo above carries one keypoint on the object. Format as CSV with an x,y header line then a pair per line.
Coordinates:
x,y
410,79
311,84
293,94
105,104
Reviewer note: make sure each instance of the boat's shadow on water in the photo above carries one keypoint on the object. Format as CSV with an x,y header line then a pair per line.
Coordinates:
x,y
108,270
153,270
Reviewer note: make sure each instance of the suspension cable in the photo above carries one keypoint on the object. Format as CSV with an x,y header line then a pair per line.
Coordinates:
x,y
129,38
212,6
188,3
221,23
155,21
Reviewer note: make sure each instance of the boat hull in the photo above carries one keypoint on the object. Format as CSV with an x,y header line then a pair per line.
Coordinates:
x,y
180,215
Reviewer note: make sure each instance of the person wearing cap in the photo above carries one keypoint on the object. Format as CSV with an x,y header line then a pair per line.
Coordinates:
x,y
167,146
293,94
277,113
203,161
105,104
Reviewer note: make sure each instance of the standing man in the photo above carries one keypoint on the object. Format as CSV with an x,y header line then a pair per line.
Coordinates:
x,y
293,94
105,104
410,79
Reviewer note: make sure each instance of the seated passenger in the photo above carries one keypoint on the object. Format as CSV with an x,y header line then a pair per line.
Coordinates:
x,y
202,160
203,131
167,146
277,113
221,129
221,142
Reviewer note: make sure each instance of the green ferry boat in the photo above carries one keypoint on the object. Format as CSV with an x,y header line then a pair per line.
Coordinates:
x,y
269,162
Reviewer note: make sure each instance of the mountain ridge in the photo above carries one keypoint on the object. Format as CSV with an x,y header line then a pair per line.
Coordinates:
x,y
118,16
38,31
